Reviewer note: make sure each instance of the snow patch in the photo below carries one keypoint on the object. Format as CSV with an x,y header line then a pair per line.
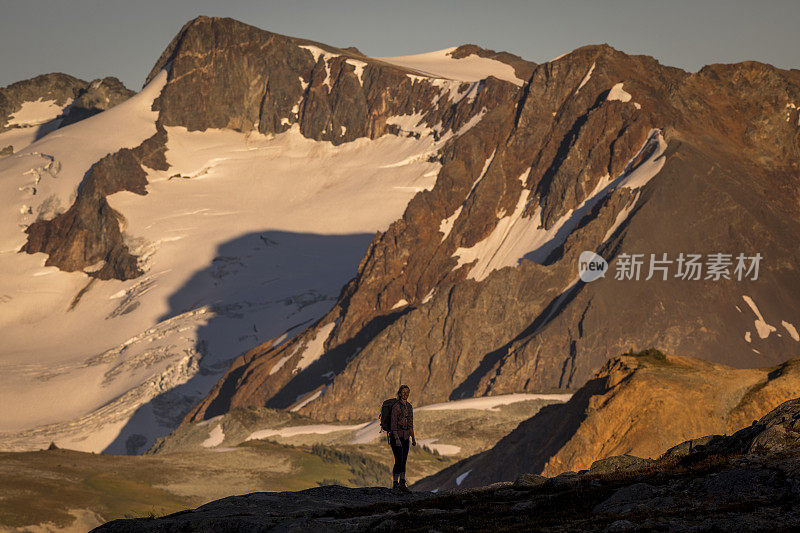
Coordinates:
x,y
277,366
428,296
315,348
490,403
762,327
293,431
441,64
446,225
35,113
642,174
462,477
310,398
359,68
618,93
215,437
442,449
368,433
317,53
791,329
468,125
586,78
410,123
747,336
400,303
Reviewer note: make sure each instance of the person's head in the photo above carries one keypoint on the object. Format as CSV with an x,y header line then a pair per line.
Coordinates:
x,y
403,392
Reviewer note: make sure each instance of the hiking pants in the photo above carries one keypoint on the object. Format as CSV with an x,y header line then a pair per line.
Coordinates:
x,y
400,455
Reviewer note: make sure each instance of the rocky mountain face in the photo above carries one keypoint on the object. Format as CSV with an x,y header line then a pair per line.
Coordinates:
x,y
602,152
639,405
475,290
226,74
748,480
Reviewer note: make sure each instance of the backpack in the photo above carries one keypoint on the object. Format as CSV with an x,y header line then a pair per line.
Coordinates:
x,y
386,414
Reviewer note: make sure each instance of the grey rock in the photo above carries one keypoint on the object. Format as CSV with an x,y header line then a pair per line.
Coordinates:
x,y
100,95
620,525
619,463
530,480
627,499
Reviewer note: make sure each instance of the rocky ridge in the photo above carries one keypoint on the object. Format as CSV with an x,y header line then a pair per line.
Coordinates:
x,y
639,405
748,480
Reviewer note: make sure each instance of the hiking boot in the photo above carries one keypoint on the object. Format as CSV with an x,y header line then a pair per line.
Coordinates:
x,y
402,486
395,484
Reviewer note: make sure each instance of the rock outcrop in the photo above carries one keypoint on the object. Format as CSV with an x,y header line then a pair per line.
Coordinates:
x,y
57,87
98,96
636,405
78,99
88,236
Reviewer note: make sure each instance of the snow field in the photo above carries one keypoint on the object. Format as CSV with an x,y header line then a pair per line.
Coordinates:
x,y
244,237
441,64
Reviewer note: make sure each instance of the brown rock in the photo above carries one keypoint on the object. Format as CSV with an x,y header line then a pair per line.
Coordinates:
x,y
636,409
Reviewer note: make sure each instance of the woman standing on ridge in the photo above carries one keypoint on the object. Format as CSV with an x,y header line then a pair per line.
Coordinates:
x,y
402,429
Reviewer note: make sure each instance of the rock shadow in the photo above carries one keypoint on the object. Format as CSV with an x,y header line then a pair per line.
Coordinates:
x,y
528,448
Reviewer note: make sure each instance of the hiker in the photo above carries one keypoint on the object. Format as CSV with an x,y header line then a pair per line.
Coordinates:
x,y
401,430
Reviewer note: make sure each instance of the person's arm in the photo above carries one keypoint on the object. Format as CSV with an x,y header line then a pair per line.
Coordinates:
x,y
411,420
395,422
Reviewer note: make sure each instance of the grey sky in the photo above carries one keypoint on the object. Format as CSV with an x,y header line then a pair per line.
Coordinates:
x,y
93,38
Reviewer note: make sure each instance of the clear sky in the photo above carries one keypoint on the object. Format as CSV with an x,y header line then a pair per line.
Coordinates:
x,y
96,38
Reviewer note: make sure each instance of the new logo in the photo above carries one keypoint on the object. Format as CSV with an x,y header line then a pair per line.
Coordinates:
x,y
591,266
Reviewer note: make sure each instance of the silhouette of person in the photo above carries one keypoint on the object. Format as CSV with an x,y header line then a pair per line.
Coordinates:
x,y
402,430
